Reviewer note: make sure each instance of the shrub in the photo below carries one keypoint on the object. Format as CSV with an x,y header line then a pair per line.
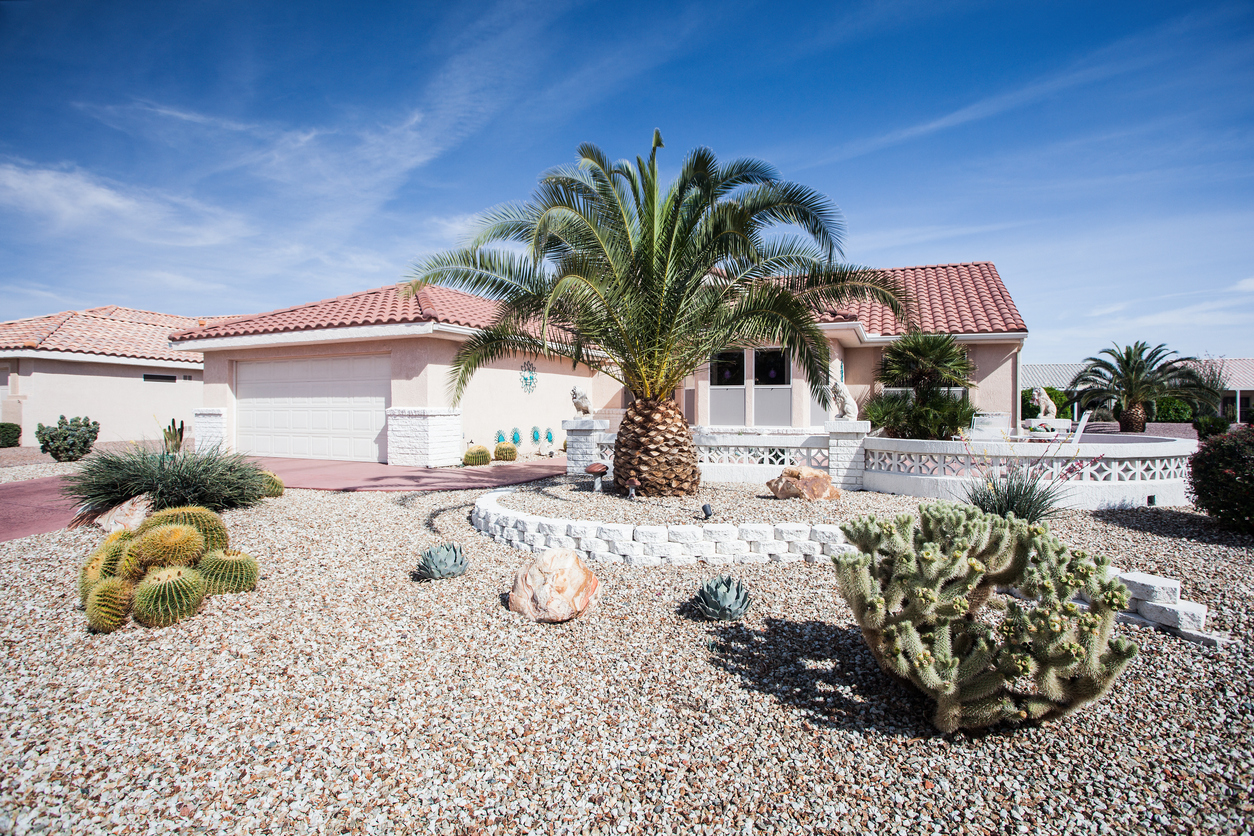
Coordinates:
x,y
69,440
1210,425
10,435
212,479
938,416
1221,475
1172,411
1031,410
918,590
1020,491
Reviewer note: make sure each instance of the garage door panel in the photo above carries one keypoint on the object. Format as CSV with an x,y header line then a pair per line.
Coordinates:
x,y
331,408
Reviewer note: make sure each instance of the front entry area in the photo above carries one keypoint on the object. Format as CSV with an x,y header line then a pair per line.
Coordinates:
x,y
316,408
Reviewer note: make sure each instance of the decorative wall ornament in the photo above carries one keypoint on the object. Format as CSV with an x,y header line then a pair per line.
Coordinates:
x,y
500,436
516,437
535,435
548,435
528,376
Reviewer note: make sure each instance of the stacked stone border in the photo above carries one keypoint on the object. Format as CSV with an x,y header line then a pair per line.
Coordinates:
x,y
718,544
1155,601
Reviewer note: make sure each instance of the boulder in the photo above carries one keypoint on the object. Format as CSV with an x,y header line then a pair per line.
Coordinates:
x,y
803,483
556,586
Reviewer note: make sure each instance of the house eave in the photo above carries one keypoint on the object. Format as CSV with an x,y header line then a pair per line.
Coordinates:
x,y
862,337
324,336
77,357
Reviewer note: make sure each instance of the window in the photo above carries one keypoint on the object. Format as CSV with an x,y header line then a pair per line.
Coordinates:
x,y
160,378
728,369
187,377
770,368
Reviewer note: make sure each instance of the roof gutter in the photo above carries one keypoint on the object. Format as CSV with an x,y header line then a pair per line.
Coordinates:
x,y
864,338
76,357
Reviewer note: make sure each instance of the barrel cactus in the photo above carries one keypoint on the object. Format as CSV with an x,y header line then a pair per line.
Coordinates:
x,y
505,452
109,605
228,571
164,545
476,456
919,592
440,562
272,484
113,549
208,523
722,599
168,595
90,575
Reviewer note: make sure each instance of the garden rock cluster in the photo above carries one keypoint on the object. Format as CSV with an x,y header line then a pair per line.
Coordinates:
x,y
717,544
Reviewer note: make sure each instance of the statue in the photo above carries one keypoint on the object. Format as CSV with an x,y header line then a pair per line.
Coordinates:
x,y
844,407
1042,399
583,406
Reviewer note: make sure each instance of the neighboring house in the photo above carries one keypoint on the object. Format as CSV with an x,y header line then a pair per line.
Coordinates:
x,y
365,376
111,364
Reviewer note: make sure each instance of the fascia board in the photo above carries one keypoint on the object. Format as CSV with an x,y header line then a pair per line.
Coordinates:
x,y
76,357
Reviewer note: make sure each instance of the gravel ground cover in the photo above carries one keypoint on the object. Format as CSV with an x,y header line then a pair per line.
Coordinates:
x,y
342,697
22,472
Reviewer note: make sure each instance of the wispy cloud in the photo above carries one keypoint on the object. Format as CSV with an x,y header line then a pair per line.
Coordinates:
x,y
1245,285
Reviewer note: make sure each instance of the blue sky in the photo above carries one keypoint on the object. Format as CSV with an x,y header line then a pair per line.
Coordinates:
x,y
234,157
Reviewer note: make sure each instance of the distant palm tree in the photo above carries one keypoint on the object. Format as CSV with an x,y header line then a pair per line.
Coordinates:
x,y
1134,376
644,284
925,363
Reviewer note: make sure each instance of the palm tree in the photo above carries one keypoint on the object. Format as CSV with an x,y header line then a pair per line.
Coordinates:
x,y
645,283
1134,376
925,363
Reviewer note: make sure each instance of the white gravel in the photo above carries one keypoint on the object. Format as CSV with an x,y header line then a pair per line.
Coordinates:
x,y
22,472
342,697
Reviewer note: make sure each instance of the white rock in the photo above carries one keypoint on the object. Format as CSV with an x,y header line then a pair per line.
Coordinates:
x,y
651,534
554,587
731,547
827,534
792,531
615,531
554,528
1153,588
756,532
686,534
805,547
720,532
1186,615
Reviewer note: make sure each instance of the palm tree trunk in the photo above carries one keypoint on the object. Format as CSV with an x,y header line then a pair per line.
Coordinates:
x,y
1132,419
655,446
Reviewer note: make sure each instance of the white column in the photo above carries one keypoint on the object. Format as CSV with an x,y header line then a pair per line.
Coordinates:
x,y
424,436
582,437
209,428
845,458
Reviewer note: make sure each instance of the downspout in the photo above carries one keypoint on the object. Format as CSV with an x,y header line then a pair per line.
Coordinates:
x,y
1016,395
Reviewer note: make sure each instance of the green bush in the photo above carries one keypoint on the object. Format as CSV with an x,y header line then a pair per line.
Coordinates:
x,y
1210,425
1172,411
1031,410
1221,475
10,435
937,417
69,440
213,480
1028,495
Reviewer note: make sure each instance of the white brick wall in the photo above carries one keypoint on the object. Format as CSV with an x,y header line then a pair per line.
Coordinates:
x,y
582,436
209,428
424,436
845,459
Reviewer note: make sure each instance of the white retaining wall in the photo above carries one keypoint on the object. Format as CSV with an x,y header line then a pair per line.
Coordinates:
x,y
718,544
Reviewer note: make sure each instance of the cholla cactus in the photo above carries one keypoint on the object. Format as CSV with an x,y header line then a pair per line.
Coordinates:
x,y
722,599
918,591
439,562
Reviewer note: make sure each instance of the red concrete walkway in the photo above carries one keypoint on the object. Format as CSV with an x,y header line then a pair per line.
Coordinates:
x,y
322,475
36,506
33,506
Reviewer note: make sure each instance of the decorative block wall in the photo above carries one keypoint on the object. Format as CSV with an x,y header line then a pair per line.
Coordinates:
x,y
583,435
209,428
845,459
424,436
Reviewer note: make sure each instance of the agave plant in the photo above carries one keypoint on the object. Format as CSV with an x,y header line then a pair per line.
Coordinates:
x,y
722,599
440,562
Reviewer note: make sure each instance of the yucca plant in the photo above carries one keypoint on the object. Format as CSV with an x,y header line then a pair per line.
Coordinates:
x,y
644,282
1136,375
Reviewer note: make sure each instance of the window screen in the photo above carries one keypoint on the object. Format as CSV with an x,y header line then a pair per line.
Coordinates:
x,y
160,378
770,368
728,369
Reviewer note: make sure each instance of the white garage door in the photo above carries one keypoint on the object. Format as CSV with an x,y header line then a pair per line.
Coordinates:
x,y
320,408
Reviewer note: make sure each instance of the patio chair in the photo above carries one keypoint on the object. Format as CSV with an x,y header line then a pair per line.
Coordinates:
x,y
990,425
1073,437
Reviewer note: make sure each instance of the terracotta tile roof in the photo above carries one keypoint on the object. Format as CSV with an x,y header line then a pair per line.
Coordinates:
x,y
381,306
959,298
950,298
111,330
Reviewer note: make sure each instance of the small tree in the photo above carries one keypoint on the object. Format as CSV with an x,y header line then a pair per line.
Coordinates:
x,y
1136,375
926,364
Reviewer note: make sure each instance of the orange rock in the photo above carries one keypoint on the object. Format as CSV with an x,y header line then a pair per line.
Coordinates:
x,y
806,483
554,587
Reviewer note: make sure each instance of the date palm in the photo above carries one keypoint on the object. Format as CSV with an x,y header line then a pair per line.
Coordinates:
x,y
1136,375
645,282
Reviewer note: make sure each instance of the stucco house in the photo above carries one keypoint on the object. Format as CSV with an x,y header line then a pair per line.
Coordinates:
x,y
364,376
112,364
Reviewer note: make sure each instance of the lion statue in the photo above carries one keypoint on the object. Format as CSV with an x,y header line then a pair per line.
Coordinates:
x,y
844,407
583,404
1046,404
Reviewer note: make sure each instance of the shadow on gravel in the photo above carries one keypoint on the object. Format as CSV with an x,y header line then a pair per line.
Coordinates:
x,y
409,499
824,670
1168,522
